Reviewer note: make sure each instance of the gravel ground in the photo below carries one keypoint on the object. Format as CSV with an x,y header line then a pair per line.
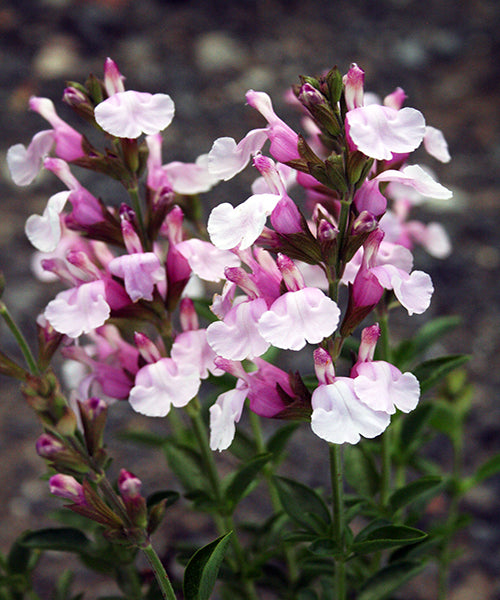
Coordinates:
x,y
206,55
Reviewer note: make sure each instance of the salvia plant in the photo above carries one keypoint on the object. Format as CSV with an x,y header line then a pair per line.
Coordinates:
x,y
155,303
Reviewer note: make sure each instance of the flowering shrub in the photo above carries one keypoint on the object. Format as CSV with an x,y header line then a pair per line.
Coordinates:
x,y
320,276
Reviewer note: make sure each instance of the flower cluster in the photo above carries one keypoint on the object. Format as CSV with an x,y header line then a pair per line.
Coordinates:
x,y
131,270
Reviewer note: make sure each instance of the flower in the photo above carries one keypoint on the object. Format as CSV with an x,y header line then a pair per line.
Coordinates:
x,y
129,113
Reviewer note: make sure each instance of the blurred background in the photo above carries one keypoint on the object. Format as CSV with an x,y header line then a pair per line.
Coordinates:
x,y
206,55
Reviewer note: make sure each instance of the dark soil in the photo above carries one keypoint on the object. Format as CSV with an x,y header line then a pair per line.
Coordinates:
x,y
206,54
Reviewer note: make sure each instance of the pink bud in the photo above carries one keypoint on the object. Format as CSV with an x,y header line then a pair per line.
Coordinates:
x,y
129,485
47,446
113,79
147,349
369,338
130,237
323,366
66,486
326,231
188,316
292,277
353,82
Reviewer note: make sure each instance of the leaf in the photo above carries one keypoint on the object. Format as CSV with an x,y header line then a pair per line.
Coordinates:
x,y
201,571
488,469
19,557
303,504
414,490
360,471
187,465
277,443
387,536
388,580
168,496
144,438
238,483
425,337
412,426
432,371
63,539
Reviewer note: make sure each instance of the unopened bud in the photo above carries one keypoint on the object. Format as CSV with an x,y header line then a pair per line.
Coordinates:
x,y
323,366
310,96
47,446
187,315
149,351
66,486
292,277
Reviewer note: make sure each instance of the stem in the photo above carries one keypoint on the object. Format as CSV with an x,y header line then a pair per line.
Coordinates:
x,y
160,574
453,512
273,492
20,339
345,206
136,205
385,354
223,521
338,518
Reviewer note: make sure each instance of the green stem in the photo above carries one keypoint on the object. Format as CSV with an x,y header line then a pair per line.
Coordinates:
x,y
160,574
273,492
20,339
345,206
223,521
338,518
384,352
453,513
136,205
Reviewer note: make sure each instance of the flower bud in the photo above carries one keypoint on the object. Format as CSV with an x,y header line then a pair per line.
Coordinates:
x,y
66,486
323,366
187,315
353,83
292,277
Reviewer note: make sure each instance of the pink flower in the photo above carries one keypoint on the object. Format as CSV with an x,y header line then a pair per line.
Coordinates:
x,y
205,260
435,144
79,310
128,114
163,384
25,163
224,414
68,142
113,79
86,208
140,272
192,348
226,158
415,177
339,416
44,232
230,227
282,137
380,131
383,387
238,337
299,317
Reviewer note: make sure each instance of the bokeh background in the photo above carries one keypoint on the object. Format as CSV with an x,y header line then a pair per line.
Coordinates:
x,y
206,54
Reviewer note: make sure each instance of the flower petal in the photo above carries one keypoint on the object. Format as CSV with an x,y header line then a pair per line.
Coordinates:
x,y
128,114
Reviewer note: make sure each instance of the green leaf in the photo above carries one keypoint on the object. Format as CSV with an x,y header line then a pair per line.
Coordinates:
x,y
237,484
387,536
360,471
432,371
425,337
488,469
186,463
143,438
388,580
202,569
412,426
414,490
19,557
169,496
63,539
303,504
277,443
